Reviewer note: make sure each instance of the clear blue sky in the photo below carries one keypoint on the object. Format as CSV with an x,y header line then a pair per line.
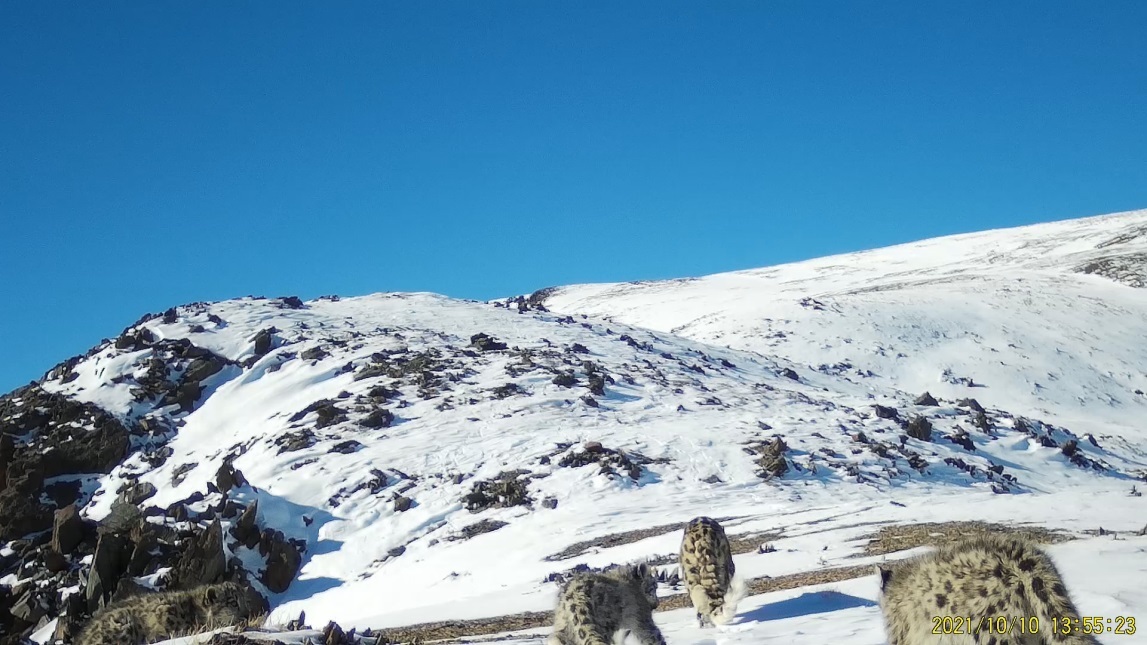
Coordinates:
x,y
157,153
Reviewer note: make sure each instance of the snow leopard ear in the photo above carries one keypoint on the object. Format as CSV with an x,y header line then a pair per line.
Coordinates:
x,y
885,573
211,594
640,570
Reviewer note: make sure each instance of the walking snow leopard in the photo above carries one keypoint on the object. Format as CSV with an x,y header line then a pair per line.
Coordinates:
x,y
708,571
976,592
602,608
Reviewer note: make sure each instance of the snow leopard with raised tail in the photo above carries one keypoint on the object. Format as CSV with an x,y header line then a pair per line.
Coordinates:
x,y
976,592
153,617
603,608
707,568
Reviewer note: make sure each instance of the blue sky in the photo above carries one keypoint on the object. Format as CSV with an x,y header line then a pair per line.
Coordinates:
x,y
153,154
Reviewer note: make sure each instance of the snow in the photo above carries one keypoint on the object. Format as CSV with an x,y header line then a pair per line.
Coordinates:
x,y
702,374
1009,309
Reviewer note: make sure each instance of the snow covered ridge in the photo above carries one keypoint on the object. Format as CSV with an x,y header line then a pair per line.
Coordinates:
x,y
404,458
1045,320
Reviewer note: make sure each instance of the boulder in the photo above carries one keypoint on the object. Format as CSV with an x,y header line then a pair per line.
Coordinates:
x,y
67,530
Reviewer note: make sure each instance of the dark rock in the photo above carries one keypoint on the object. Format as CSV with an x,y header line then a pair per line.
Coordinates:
x,y
293,441
262,341
971,403
402,504
926,399
67,530
486,343
54,561
314,354
185,396
346,447
506,489
596,382
982,422
202,561
145,543
7,451
180,473
107,567
170,316
507,390
227,477
565,379
334,635
1070,448
20,515
379,418
291,302
590,401
485,526
283,561
325,409
245,529
963,439
550,502
201,368
884,412
578,348
28,608
137,493
790,373
919,428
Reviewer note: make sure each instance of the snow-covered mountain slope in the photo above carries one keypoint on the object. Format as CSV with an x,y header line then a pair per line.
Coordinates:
x,y
1048,320
396,459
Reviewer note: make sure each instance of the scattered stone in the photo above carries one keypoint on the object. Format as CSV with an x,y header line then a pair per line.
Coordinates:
x,y
106,570
283,561
884,412
346,447
67,530
508,488
380,418
789,373
919,428
926,399
314,354
486,343
507,390
263,341
202,368
970,403
202,561
485,526
227,477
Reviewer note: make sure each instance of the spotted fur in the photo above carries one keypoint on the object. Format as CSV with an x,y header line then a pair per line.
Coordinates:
x,y
983,577
602,608
152,617
708,571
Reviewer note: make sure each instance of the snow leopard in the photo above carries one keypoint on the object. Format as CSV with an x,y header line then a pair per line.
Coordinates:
x,y
152,617
707,568
602,608
976,592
